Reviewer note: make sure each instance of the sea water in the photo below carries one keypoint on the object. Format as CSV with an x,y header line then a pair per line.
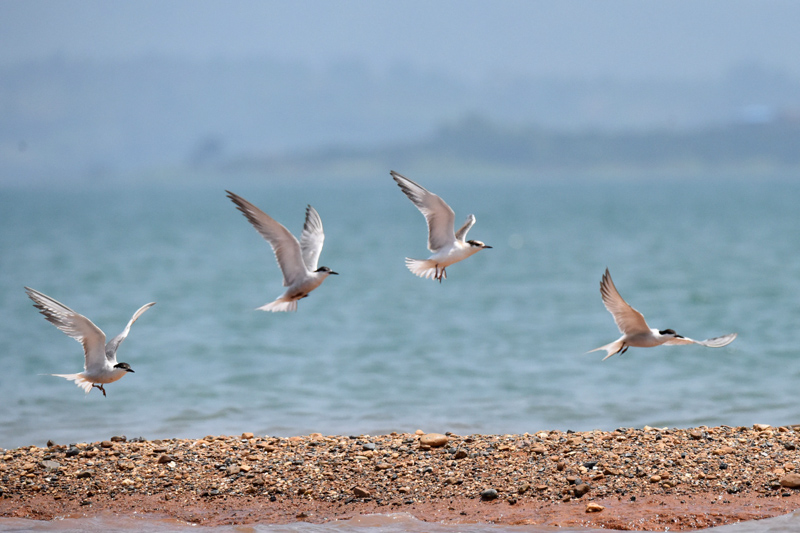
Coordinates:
x,y
498,347
392,523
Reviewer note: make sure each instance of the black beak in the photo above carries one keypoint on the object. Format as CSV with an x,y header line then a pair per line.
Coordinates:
x,y
332,272
486,246
130,370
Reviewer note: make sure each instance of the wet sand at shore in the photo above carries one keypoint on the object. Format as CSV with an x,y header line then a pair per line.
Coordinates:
x,y
634,479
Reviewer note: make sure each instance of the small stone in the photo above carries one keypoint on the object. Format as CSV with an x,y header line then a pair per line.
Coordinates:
x,y
561,466
419,432
761,427
164,459
51,465
233,469
489,495
83,474
106,444
72,452
696,434
791,481
247,435
460,454
127,482
581,489
368,446
540,450
594,507
383,466
361,493
119,438
725,450
434,440
655,479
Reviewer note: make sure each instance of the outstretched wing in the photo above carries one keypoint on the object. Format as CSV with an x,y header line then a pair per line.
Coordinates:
x,y
111,347
286,248
73,324
437,213
629,320
312,239
716,342
461,234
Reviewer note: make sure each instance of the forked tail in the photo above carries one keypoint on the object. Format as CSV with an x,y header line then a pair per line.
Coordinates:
x,y
279,305
611,348
79,380
425,268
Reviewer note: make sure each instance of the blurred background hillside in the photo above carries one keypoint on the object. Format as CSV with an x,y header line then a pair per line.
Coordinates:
x,y
179,91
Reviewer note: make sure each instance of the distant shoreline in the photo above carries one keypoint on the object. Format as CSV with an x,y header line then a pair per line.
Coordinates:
x,y
640,479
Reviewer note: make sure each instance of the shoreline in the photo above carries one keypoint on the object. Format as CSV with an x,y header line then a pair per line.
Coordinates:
x,y
634,479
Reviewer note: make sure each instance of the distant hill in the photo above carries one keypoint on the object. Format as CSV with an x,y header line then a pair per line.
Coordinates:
x,y
64,119
477,147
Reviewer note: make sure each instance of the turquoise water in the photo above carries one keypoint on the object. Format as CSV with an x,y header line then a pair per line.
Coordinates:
x,y
497,348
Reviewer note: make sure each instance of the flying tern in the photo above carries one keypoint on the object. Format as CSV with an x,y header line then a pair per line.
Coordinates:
x,y
100,359
634,329
297,260
448,246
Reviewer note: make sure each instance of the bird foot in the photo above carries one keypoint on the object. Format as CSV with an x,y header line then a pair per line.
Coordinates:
x,y
101,388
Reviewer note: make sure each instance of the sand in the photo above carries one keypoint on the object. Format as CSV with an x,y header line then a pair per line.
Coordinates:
x,y
634,479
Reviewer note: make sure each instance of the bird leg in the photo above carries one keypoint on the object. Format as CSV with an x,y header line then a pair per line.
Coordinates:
x,y
101,388
625,349
440,273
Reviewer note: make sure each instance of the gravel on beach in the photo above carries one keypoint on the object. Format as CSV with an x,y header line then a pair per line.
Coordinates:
x,y
635,479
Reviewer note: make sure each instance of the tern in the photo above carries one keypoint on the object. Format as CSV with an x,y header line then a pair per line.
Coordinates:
x,y
448,246
100,359
297,260
634,329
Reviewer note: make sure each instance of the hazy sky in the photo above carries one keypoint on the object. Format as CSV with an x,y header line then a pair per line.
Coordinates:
x,y
621,38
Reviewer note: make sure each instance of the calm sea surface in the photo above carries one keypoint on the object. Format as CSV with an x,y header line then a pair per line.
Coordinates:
x,y
497,348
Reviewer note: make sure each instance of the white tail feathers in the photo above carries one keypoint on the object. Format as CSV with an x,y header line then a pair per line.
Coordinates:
x,y
280,305
425,268
610,349
79,380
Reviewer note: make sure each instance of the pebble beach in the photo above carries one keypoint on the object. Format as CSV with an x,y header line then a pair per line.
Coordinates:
x,y
630,478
